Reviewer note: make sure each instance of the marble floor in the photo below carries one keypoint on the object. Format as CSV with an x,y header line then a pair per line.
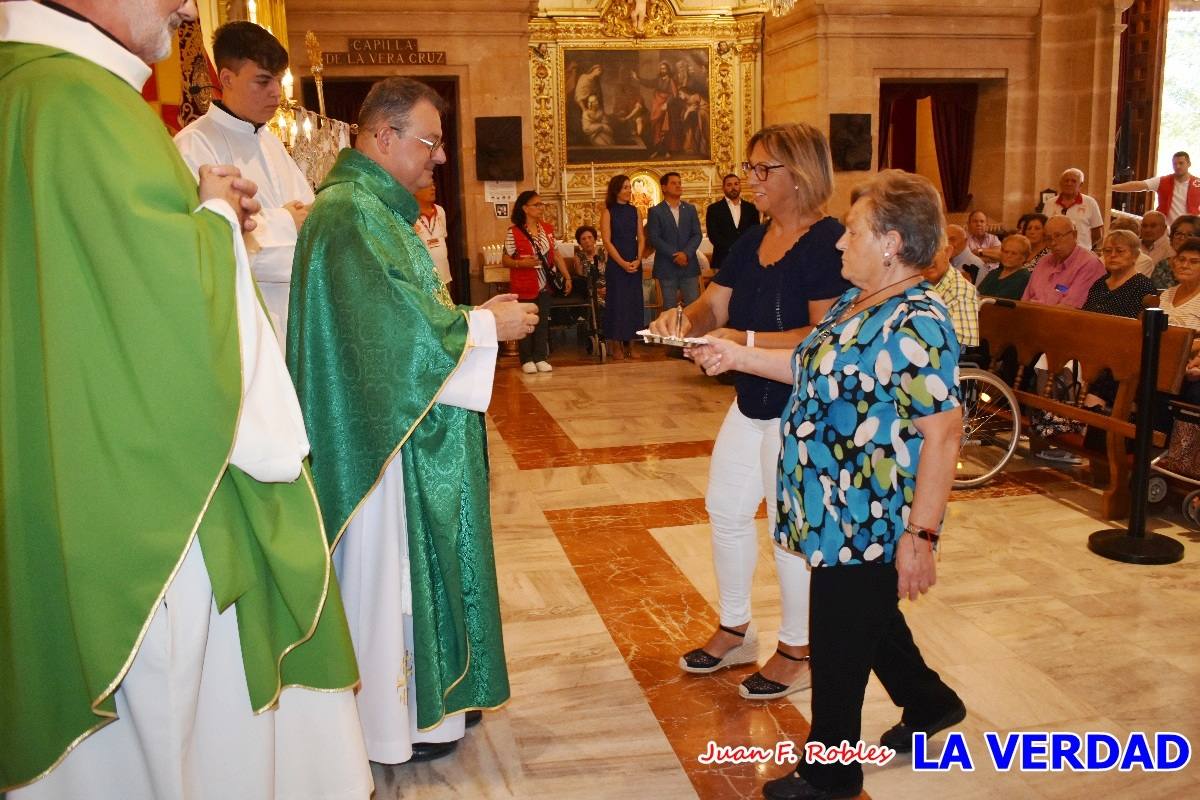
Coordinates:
x,y
602,548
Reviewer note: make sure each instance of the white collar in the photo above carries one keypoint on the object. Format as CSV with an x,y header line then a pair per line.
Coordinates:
x,y
737,202
33,23
228,121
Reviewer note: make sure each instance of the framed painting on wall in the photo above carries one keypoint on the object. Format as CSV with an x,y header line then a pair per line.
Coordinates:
x,y
633,106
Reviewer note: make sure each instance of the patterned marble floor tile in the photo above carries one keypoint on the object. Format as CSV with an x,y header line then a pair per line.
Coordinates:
x,y
599,473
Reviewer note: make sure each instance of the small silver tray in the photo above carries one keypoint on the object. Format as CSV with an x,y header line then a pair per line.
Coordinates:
x,y
669,341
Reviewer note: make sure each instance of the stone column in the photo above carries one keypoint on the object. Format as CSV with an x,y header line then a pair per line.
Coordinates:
x,y
1078,58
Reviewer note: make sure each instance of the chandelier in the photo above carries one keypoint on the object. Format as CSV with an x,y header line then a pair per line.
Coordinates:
x,y
780,7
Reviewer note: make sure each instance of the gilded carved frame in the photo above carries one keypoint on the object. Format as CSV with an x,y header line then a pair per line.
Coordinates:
x,y
733,44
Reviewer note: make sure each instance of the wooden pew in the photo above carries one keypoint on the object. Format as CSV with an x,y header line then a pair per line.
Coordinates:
x,y
1095,341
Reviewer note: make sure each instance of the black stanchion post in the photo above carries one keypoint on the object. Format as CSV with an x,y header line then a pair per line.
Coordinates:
x,y
1135,546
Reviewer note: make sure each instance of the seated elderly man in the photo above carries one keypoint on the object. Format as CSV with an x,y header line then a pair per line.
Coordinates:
x,y
961,255
981,241
959,295
1156,243
1065,274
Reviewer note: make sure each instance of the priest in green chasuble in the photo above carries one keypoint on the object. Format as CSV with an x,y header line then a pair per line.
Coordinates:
x,y
169,623
393,379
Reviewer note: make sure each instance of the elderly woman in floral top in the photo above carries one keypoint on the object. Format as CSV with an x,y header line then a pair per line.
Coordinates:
x,y
870,438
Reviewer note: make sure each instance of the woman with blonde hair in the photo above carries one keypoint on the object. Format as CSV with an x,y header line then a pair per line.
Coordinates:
x,y
777,279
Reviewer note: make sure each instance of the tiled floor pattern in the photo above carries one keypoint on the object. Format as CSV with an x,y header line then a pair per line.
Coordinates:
x,y
598,475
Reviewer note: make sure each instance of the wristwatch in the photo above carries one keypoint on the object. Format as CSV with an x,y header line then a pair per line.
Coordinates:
x,y
928,534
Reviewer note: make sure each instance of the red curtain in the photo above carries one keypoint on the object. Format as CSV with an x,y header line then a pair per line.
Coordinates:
x,y
953,106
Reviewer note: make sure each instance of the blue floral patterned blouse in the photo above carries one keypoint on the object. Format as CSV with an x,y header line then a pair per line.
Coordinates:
x,y
848,465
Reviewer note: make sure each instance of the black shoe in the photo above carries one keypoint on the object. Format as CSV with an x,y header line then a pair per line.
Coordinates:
x,y
701,662
793,787
899,736
474,718
430,751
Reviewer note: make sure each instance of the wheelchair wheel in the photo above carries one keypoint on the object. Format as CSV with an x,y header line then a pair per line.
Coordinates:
x,y
1191,508
1156,489
991,428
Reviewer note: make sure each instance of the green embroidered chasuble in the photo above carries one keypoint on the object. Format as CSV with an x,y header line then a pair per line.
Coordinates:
x,y
121,392
372,338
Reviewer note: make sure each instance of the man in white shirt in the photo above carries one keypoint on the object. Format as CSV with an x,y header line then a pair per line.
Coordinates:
x,y
250,64
1081,209
1178,193
727,219
961,256
982,242
431,227
1156,243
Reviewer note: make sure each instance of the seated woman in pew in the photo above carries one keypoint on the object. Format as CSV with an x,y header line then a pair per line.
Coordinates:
x,y
1033,227
1119,292
1010,279
1182,229
1182,304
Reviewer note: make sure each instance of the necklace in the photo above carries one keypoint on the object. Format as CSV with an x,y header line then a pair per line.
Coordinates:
x,y
850,311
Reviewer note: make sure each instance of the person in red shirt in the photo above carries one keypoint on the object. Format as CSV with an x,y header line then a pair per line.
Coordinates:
x,y
1178,193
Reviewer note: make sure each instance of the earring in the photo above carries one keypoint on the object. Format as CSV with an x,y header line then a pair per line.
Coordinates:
x,y
887,260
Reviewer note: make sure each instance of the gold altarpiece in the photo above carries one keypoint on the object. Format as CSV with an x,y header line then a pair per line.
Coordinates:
x,y
732,42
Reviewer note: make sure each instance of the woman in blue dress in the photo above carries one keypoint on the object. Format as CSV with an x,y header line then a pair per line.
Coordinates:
x,y
871,434
621,231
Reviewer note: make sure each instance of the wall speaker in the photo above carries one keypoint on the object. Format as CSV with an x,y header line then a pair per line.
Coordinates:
x,y
498,151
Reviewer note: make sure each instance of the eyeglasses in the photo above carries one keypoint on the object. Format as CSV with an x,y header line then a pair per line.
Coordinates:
x,y
1054,237
538,204
1109,251
433,146
1182,234
761,171
1180,261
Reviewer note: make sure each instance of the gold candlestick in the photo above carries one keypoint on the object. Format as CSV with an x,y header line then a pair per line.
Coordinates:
x,y
316,65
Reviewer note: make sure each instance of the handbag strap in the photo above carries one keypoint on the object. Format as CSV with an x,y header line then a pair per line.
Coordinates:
x,y
534,246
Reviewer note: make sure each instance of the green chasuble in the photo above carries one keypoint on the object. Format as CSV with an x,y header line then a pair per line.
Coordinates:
x,y
121,376
372,338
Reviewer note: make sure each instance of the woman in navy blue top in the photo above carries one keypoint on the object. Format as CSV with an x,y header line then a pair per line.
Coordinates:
x,y
621,231
778,279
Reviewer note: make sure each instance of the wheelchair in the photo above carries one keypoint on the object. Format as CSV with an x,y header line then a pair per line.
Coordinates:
x,y
991,423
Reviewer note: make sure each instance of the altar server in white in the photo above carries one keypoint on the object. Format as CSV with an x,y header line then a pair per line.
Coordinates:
x,y
250,64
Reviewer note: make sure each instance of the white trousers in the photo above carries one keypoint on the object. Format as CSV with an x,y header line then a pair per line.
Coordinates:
x,y
742,473
372,567
186,730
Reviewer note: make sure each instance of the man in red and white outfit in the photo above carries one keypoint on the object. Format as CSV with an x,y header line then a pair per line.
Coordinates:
x,y
1082,209
1178,193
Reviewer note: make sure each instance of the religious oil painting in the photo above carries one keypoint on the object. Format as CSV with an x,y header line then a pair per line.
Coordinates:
x,y
636,106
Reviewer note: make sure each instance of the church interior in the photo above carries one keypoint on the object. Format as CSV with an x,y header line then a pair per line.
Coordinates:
x,y
599,469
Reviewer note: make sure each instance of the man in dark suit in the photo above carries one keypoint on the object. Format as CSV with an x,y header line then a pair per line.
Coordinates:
x,y
728,218
674,229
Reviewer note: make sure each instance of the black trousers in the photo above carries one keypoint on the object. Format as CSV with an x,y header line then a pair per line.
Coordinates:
x,y
536,346
855,627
